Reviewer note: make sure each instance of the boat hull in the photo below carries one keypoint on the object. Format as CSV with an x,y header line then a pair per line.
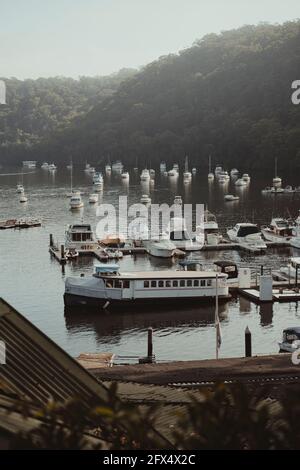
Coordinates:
x,y
73,300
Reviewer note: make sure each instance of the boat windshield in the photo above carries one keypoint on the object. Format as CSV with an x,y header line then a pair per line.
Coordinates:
x,y
248,230
179,235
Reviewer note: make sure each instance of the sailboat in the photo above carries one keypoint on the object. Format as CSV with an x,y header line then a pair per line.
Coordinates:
x,y
187,175
276,180
210,176
72,192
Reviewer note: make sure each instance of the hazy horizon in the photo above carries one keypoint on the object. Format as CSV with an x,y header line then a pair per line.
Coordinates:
x,y
100,37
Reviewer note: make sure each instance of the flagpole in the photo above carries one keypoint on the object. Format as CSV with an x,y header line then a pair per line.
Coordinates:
x,y
216,317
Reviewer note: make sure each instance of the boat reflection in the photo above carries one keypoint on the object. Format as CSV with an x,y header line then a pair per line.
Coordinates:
x,y
111,324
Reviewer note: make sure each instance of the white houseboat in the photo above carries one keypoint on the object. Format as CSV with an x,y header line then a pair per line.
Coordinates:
x,y
109,287
280,230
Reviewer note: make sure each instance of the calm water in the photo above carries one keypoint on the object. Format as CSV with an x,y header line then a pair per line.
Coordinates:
x,y
34,283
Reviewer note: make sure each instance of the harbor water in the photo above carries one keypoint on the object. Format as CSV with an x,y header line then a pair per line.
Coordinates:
x,y
33,282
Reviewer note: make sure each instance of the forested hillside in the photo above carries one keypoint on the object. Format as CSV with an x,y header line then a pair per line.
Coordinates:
x,y
228,95
37,108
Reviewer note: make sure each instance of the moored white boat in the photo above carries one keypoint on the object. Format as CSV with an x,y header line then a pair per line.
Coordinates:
x,y
231,197
108,287
248,236
162,248
145,175
145,199
76,201
280,230
93,198
20,188
178,234
240,182
292,268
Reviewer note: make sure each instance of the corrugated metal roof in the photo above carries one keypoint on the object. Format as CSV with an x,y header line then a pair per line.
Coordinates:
x,y
37,367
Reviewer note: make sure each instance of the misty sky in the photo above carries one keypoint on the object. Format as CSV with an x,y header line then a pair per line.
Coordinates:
x,y
97,37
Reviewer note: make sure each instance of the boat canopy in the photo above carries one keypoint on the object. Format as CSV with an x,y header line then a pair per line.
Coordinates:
x,y
107,268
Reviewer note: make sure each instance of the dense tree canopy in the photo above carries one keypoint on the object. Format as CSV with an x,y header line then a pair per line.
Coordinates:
x,y
228,95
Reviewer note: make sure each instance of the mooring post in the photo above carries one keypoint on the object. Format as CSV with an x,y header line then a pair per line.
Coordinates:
x,y
51,240
150,344
62,252
262,269
248,343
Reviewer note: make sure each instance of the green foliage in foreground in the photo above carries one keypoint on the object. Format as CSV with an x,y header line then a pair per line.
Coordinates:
x,y
227,418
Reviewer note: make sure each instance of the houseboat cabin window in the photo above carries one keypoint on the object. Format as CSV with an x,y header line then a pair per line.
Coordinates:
x,y
117,284
203,283
209,282
126,284
160,283
168,284
153,283
196,283
175,283
189,283
182,283
146,284
109,283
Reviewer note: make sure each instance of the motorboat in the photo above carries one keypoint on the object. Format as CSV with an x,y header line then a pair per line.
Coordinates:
x,y
125,175
98,181
290,340
81,238
218,169
234,172
23,198
113,253
76,201
152,172
29,164
231,197
229,268
145,175
145,199
108,287
178,200
194,171
178,234
280,230
289,189
71,253
246,177
208,232
223,175
176,167
45,166
93,198
173,173
248,236
240,182
117,166
108,168
20,189
162,167
162,248
52,167
70,166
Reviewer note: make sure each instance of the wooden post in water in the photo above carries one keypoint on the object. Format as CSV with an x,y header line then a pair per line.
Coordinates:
x,y
248,343
51,240
150,344
262,269
62,252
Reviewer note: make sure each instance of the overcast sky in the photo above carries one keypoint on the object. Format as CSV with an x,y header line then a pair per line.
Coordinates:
x,y
98,37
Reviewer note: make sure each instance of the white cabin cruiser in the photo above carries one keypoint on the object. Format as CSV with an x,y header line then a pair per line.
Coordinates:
x,y
80,237
23,198
145,175
76,201
178,234
208,231
248,236
20,189
240,182
145,199
290,340
93,198
246,177
178,200
162,248
280,230
125,175
117,166
109,287
231,197
234,172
